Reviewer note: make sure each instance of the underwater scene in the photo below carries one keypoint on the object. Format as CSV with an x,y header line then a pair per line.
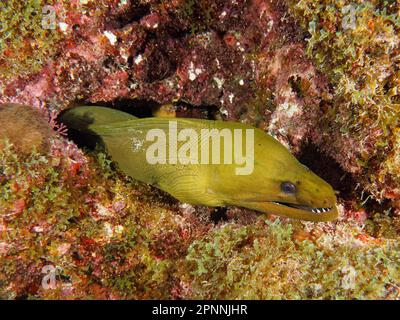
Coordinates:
x,y
200,150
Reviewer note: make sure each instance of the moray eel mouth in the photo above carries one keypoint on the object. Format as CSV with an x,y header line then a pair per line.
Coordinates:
x,y
296,211
305,208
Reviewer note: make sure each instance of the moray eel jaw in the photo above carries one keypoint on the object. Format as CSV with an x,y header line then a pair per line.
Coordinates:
x,y
296,211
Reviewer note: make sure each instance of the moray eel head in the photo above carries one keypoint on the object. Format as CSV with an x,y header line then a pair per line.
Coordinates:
x,y
306,196
297,195
281,185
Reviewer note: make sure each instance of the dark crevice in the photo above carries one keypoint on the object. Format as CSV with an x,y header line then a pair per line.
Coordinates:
x,y
295,84
329,170
136,107
143,108
110,63
186,110
84,141
160,66
133,14
219,215
174,33
342,181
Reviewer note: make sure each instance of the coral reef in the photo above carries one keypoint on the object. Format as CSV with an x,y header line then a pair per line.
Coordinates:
x,y
356,43
104,236
107,236
275,260
321,76
24,44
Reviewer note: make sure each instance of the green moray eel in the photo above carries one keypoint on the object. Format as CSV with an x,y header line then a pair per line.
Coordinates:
x,y
277,182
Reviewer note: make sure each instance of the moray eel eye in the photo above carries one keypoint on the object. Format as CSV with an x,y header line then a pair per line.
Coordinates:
x,y
288,187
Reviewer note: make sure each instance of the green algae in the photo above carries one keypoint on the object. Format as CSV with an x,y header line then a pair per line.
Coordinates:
x,y
112,237
383,225
198,14
24,44
53,216
356,44
258,262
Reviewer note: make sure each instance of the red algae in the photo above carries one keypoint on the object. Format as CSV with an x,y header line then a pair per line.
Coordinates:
x,y
278,65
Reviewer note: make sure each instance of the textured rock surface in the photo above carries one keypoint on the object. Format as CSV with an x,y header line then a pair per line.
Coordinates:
x,y
327,92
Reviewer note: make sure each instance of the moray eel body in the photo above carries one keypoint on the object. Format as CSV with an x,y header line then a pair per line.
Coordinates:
x,y
278,183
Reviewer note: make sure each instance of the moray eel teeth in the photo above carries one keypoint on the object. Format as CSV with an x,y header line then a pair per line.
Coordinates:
x,y
301,207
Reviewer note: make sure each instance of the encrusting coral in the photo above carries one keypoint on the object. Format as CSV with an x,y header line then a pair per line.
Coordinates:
x,y
275,260
357,44
109,237
26,128
24,43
